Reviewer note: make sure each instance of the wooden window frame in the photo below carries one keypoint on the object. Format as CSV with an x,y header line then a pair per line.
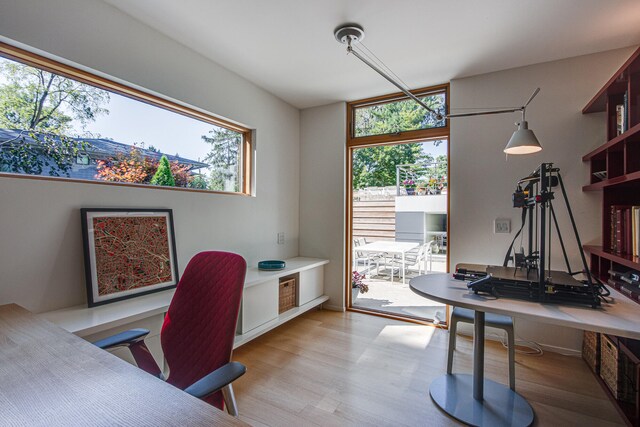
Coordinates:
x,y
405,136
353,142
246,158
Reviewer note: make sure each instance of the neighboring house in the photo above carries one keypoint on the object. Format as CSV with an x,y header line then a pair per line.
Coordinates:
x,y
85,166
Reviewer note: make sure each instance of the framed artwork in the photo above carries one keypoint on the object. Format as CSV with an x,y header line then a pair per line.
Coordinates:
x,y
127,253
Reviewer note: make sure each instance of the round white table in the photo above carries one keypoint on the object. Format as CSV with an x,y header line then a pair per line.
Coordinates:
x,y
477,401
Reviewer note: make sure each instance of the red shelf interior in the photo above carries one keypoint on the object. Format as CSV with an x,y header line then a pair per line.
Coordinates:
x,y
622,259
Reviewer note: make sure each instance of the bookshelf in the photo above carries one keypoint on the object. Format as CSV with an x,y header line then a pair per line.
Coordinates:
x,y
619,158
615,171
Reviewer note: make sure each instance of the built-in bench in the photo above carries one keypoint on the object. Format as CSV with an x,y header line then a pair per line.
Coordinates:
x,y
258,313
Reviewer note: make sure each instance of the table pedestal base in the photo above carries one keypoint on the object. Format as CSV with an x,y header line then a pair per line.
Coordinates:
x,y
501,406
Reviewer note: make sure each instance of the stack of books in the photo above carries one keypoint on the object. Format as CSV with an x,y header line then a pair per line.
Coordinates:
x,y
625,230
628,283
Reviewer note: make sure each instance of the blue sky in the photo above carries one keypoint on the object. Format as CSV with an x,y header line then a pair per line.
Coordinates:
x,y
132,121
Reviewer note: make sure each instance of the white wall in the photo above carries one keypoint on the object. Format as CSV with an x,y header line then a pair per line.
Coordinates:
x,y
322,193
482,181
41,259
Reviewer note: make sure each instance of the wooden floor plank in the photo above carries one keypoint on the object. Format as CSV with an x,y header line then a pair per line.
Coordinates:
x,y
341,369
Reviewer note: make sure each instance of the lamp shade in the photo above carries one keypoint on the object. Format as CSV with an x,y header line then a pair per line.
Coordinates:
x,y
523,141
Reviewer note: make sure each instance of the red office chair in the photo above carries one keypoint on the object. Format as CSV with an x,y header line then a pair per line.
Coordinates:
x,y
198,331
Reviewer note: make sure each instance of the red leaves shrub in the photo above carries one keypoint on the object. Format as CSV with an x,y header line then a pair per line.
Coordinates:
x,y
136,168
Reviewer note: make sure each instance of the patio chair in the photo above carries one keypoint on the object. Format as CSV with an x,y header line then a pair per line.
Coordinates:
x,y
414,257
365,258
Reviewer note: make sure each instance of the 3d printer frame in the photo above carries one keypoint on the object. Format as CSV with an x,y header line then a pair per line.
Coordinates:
x,y
535,195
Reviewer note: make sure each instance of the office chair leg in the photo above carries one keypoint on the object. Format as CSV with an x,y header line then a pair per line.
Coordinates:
x,y
230,400
452,345
512,359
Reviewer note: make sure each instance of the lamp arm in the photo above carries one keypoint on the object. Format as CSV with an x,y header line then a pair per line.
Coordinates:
x,y
375,68
523,109
482,113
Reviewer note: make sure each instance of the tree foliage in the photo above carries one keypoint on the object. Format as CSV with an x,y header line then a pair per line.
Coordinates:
x,y
127,167
223,157
134,167
163,175
376,166
398,116
44,107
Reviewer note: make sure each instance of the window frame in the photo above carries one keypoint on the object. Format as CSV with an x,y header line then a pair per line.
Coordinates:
x,y
410,135
246,158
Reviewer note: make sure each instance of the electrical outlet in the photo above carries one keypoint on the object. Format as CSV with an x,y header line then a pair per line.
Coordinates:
x,y
281,238
502,226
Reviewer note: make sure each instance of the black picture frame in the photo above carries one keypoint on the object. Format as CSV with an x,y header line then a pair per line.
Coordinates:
x,y
118,272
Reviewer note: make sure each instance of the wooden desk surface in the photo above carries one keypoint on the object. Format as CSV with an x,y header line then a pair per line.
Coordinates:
x,y
49,376
620,317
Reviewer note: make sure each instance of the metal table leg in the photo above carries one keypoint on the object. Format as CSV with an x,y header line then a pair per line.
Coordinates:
x,y
478,356
463,396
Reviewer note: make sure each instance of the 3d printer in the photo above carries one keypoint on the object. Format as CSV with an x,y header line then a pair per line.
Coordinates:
x,y
530,277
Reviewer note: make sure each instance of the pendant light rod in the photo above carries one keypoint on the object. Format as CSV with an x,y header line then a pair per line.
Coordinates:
x,y
375,68
352,33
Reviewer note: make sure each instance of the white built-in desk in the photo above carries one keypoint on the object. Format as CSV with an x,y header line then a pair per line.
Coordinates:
x,y
258,312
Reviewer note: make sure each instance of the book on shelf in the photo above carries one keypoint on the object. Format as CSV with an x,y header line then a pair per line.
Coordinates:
x,y
625,230
619,119
626,282
625,112
635,230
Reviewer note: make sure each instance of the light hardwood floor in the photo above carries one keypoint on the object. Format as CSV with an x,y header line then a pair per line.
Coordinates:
x,y
334,369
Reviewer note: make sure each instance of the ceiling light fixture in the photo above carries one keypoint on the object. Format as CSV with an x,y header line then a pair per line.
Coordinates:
x,y
523,140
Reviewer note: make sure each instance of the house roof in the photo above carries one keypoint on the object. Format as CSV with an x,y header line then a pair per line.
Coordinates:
x,y
102,148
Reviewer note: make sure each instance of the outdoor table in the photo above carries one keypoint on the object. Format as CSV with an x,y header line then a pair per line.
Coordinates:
x,y
389,247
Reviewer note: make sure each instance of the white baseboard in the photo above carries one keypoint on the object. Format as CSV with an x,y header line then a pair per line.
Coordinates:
x,y
545,347
332,307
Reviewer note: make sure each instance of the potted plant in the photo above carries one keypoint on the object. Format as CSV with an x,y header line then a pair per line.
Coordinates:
x,y
410,186
422,188
357,285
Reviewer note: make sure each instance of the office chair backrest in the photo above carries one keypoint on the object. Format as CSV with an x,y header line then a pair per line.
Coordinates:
x,y
200,325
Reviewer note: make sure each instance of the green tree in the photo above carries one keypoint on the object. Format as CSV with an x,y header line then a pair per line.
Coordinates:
x,y
44,107
223,157
376,166
163,175
198,182
399,116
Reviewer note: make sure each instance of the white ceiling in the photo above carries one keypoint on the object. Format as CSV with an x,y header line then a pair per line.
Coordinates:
x,y
287,46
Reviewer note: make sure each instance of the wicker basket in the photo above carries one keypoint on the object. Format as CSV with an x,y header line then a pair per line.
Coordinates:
x,y
628,381
287,293
609,363
591,350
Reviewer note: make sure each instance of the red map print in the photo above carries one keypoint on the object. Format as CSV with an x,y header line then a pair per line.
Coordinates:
x,y
131,253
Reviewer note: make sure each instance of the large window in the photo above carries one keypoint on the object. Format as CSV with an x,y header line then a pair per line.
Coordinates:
x,y
57,121
398,202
